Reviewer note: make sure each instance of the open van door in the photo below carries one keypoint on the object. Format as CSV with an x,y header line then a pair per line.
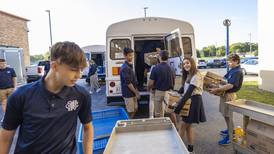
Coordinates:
x,y
174,46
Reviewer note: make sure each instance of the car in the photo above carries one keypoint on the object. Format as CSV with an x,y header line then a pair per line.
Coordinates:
x,y
214,63
250,67
243,60
223,62
202,63
35,72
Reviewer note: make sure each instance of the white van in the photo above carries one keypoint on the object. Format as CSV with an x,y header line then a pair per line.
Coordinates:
x,y
144,35
96,53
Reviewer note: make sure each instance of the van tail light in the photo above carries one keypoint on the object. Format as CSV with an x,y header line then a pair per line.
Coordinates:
x,y
115,70
112,84
39,70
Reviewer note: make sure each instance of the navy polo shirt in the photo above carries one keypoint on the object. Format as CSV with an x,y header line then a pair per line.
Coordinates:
x,y
235,77
6,76
163,76
92,70
47,121
127,76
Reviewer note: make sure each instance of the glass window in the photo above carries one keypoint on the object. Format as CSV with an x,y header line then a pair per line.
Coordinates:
x,y
117,46
187,46
249,62
173,45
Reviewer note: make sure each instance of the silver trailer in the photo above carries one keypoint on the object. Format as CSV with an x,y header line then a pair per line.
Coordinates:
x,y
145,136
15,59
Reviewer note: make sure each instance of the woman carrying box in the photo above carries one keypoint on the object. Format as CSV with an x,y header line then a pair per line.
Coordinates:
x,y
190,106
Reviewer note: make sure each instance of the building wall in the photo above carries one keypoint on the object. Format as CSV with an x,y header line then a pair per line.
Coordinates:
x,y
266,44
14,32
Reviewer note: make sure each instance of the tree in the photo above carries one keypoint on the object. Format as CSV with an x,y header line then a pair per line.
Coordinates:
x,y
212,50
47,55
256,53
198,53
35,58
206,51
221,51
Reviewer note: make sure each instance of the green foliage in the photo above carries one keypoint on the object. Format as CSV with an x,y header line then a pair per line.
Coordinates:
x,y
36,58
250,91
256,53
221,51
47,55
240,48
198,52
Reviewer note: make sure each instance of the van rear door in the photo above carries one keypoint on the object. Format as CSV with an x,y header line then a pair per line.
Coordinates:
x,y
174,46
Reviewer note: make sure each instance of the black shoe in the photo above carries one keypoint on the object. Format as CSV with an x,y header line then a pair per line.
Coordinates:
x,y
190,148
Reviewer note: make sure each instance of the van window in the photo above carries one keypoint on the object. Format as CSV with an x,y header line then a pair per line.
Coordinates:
x,y
117,46
187,46
172,45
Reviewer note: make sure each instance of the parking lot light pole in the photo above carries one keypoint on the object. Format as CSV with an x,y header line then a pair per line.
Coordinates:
x,y
145,11
227,23
50,33
250,45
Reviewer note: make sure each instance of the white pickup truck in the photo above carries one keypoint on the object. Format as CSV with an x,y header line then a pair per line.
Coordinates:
x,y
35,72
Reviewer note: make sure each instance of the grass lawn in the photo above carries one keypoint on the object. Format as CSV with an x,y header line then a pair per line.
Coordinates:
x,y
251,91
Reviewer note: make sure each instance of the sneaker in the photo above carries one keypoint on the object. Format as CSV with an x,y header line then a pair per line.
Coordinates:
x,y
98,90
225,140
224,132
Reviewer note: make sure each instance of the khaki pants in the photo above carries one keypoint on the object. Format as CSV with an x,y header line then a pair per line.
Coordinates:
x,y
159,105
94,84
4,94
151,103
223,107
131,104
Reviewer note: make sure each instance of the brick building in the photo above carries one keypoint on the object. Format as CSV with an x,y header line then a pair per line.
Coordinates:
x,y
14,32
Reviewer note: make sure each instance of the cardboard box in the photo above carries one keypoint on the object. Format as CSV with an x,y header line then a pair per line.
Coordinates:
x,y
171,98
260,137
212,80
151,58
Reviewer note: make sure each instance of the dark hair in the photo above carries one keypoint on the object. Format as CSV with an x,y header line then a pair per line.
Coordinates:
x,y
164,55
2,60
68,53
193,70
127,51
234,57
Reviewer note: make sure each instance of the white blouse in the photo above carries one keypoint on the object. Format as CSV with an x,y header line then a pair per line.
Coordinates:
x,y
197,81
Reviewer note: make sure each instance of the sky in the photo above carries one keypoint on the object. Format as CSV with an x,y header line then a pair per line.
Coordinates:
x,y
85,21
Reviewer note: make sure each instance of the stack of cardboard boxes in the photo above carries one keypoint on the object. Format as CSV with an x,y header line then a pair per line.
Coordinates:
x,y
212,80
171,98
151,58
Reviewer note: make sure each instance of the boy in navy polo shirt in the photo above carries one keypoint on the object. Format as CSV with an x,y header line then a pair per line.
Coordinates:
x,y
129,83
234,79
162,78
7,82
47,110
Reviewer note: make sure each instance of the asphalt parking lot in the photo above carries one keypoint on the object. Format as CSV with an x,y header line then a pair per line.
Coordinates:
x,y
206,134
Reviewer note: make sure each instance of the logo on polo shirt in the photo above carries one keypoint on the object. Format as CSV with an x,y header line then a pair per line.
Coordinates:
x,y
72,105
